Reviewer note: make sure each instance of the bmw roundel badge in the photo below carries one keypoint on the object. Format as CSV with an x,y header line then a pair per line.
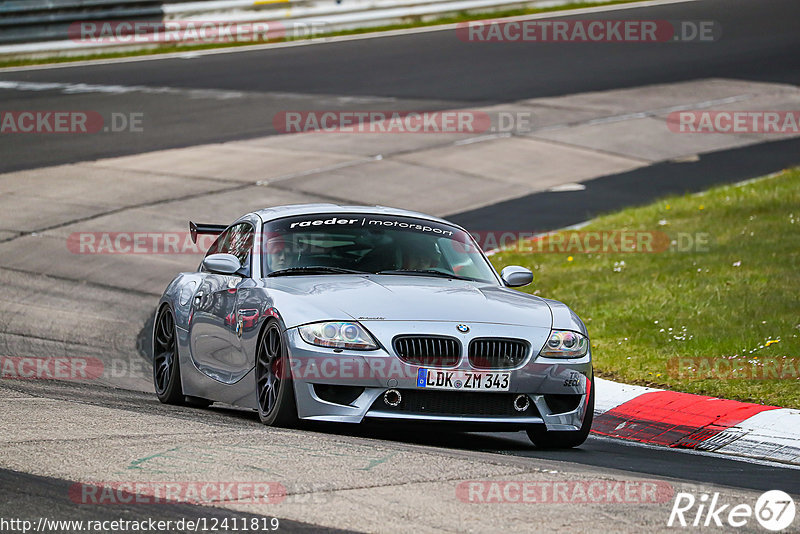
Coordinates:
x,y
462,328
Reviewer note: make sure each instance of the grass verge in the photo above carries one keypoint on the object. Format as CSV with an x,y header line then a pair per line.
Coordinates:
x,y
414,22
720,319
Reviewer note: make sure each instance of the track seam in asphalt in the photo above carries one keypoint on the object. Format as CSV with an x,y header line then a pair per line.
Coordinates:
x,y
98,285
95,165
42,338
588,149
122,209
447,170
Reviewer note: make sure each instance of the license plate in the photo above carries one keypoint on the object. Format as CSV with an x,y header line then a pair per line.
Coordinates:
x,y
462,380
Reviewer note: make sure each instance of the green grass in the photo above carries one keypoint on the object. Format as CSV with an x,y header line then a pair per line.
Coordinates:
x,y
726,302
413,22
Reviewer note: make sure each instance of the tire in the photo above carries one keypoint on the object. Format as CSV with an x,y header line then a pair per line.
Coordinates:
x,y
563,439
166,368
274,388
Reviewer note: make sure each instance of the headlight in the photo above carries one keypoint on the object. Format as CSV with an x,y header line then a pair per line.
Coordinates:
x,y
338,335
565,344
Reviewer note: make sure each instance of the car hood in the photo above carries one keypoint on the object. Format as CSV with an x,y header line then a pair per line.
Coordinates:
x,y
304,299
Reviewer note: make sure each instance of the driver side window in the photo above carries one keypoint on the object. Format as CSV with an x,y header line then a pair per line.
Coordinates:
x,y
236,240
240,244
220,246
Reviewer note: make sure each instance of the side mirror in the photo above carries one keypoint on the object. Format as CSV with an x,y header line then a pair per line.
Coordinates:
x,y
516,276
222,263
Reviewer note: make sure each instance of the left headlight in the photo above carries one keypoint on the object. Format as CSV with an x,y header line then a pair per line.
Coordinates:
x,y
338,335
565,344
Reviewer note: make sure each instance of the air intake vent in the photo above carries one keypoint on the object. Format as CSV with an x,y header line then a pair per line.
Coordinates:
x,y
497,353
435,351
465,403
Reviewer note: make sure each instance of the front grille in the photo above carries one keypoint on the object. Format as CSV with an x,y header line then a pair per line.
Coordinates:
x,y
497,353
455,403
436,351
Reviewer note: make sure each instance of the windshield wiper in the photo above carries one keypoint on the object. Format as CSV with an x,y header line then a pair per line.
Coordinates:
x,y
426,272
314,269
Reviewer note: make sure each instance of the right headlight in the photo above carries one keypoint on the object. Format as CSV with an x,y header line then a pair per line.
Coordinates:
x,y
338,335
565,344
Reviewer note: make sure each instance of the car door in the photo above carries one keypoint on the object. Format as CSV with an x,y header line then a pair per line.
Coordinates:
x,y
216,325
252,307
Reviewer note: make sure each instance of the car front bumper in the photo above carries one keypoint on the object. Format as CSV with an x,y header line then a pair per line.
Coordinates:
x,y
369,374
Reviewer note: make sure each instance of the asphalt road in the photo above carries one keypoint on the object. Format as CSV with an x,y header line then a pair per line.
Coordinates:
x,y
544,211
28,498
597,452
233,96
432,70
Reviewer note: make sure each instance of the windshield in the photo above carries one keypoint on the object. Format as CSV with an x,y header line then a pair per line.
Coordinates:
x,y
341,243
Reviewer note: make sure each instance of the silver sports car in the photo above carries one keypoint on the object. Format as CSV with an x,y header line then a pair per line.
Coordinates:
x,y
348,313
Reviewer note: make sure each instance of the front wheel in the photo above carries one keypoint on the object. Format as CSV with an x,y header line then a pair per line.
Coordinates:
x,y
564,439
166,370
276,404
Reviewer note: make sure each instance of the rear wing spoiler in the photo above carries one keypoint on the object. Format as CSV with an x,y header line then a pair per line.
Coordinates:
x,y
205,229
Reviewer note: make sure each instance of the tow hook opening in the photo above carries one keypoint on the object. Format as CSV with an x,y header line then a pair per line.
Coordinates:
x,y
522,403
392,398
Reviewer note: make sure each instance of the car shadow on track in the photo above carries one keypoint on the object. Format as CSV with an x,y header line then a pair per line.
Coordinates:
x,y
427,434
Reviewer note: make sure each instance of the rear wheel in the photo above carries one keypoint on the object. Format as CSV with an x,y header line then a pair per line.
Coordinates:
x,y
276,403
166,371
564,439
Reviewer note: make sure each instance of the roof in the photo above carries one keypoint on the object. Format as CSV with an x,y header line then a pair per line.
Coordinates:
x,y
276,212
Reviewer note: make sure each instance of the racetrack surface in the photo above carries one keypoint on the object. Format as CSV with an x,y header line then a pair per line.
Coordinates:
x,y
604,453
57,304
359,477
432,70
30,497
544,210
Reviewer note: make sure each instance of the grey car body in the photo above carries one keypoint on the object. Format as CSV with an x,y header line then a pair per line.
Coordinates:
x,y
219,321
